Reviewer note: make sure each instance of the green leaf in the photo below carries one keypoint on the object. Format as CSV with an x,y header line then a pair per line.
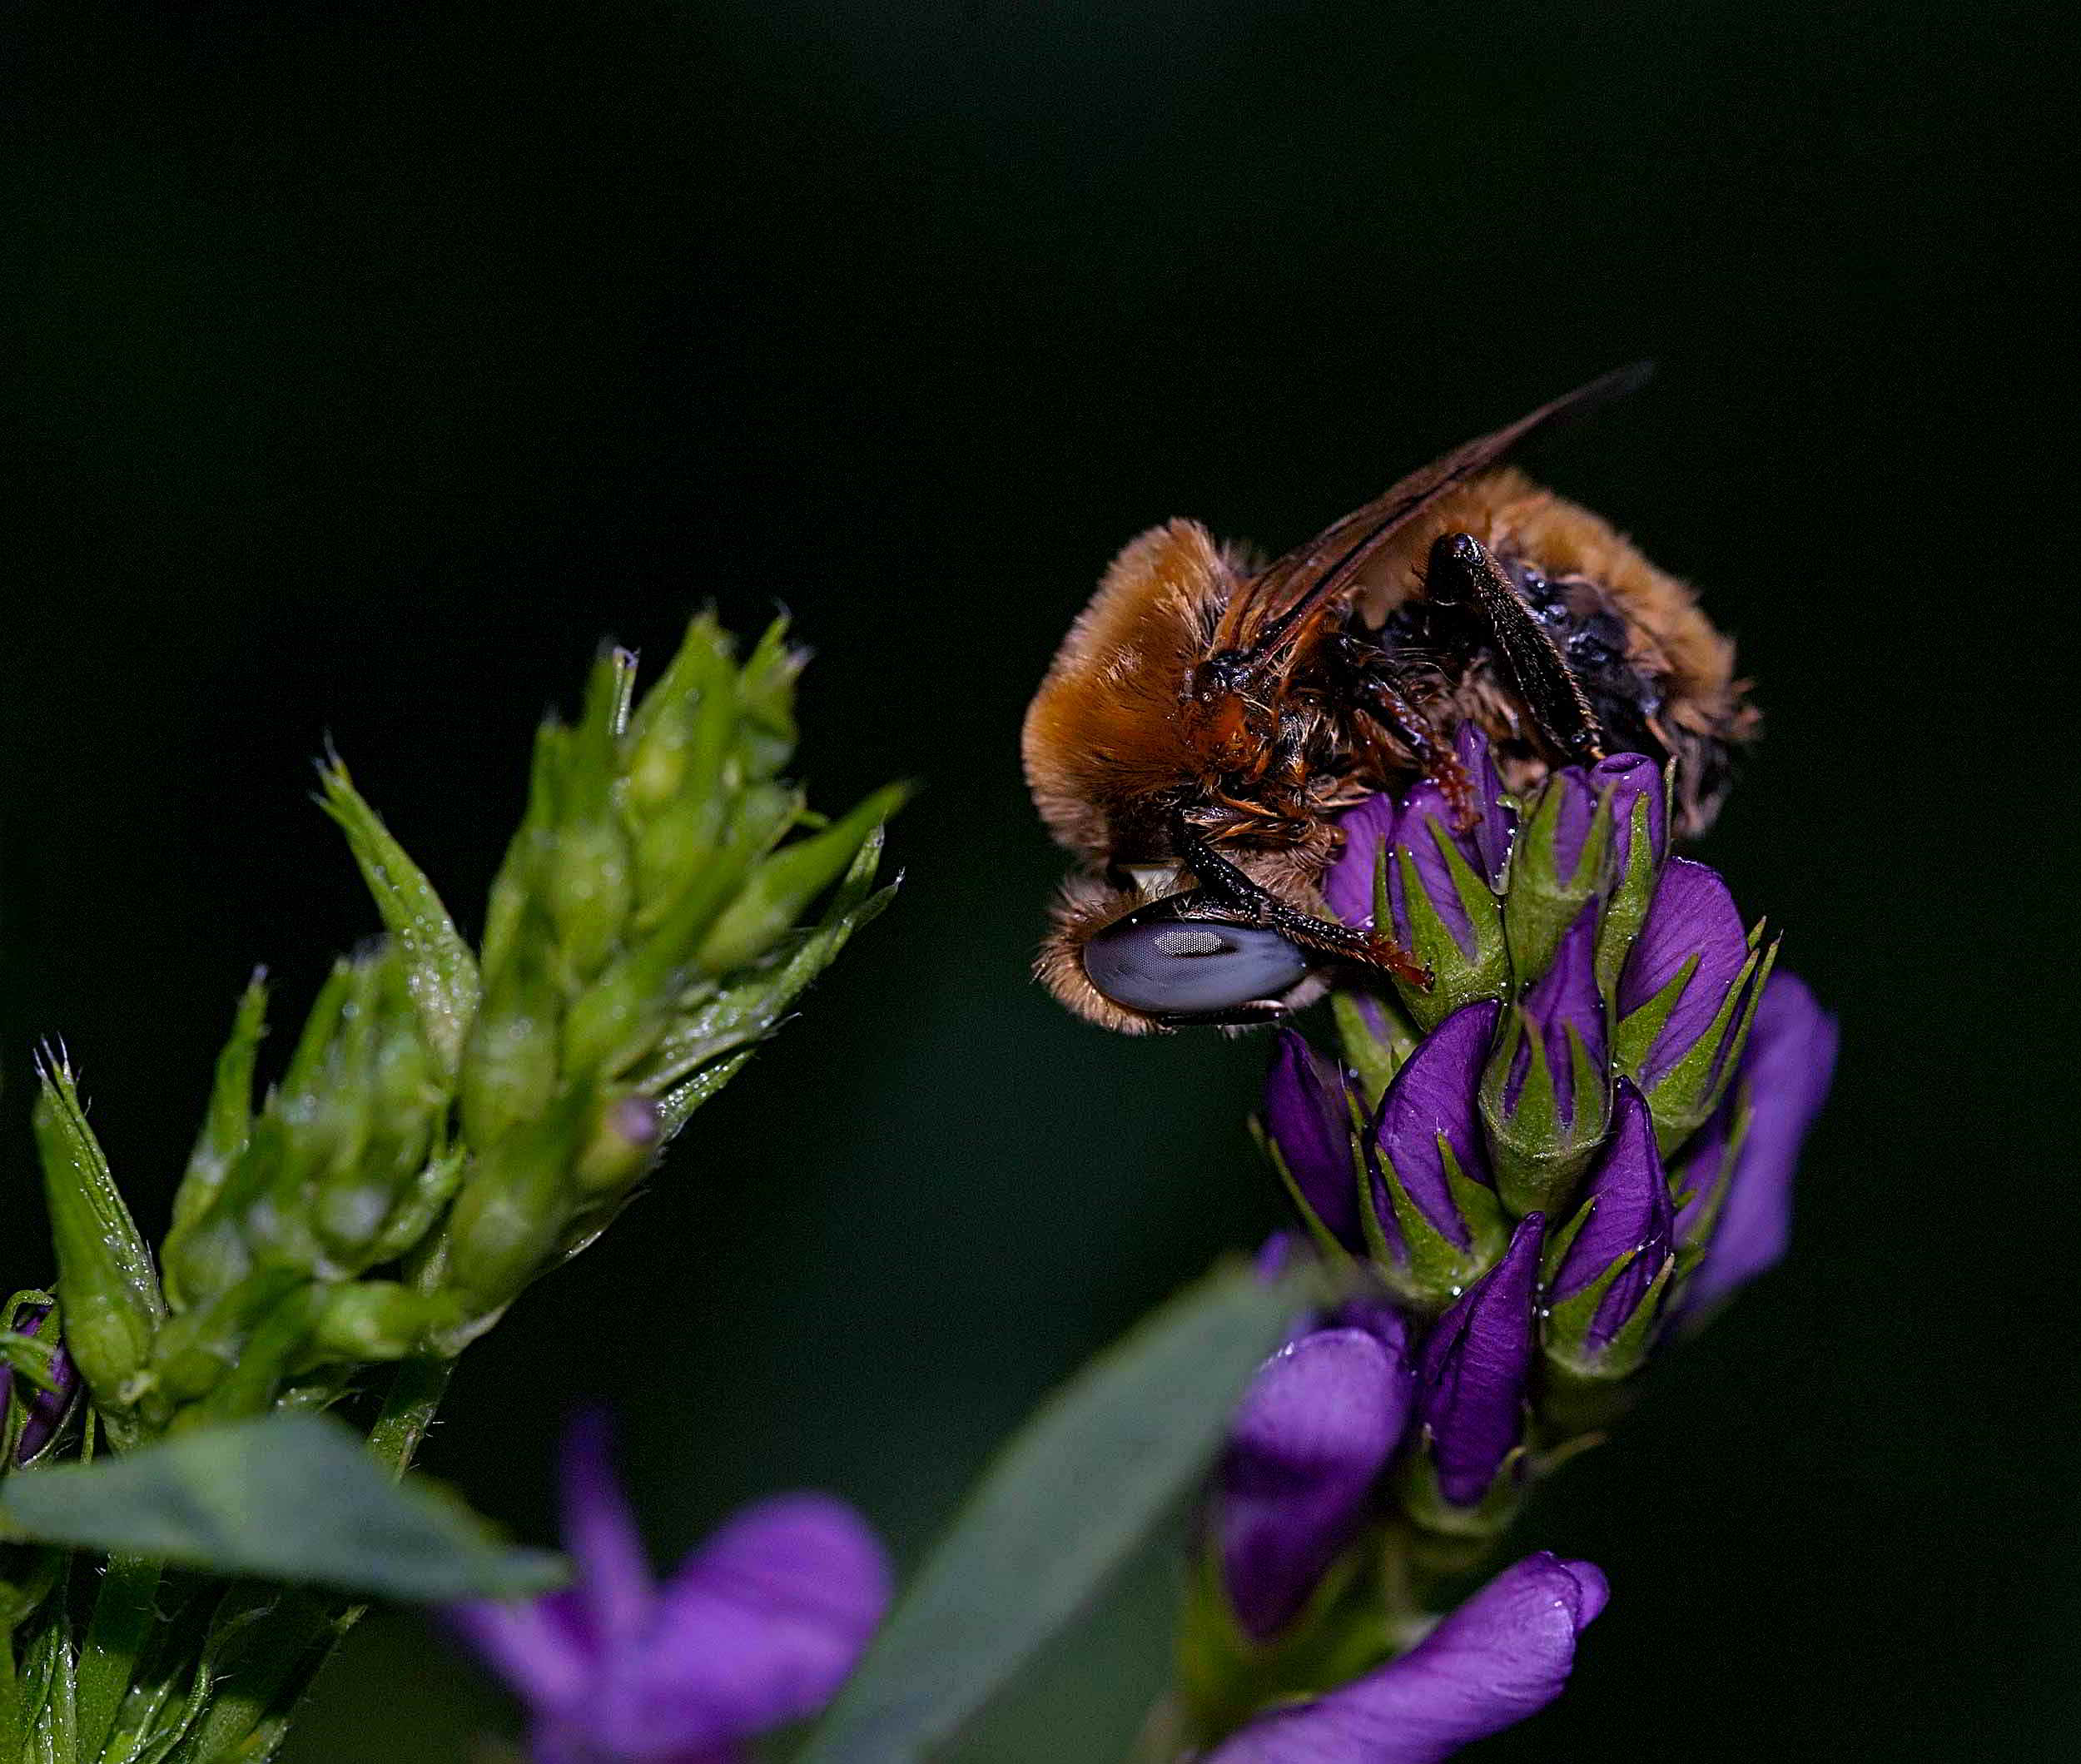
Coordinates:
x,y
285,1498
1097,1467
440,969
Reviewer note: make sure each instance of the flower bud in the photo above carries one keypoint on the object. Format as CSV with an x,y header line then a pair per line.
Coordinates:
x,y
624,1143
1315,1429
1685,998
47,1405
1470,1401
1309,1132
1495,819
1431,1219
112,1305
1560,864
1612,1263
1546,1096
1632,790
1425,879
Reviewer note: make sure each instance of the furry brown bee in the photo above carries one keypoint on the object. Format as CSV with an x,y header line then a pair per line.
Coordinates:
x,y
1204,722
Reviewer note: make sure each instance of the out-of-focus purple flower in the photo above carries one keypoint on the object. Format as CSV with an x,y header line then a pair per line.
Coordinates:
x,y
1624,1241
758,1627
1431,1194
1685,996
44,1411
1313,1433
1779,1089
1547,1094
1471,1381
1503,1655
1307,1118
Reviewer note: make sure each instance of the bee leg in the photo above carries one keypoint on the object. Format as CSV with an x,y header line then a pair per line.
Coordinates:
x,y
1388,704
1225,885
1463,573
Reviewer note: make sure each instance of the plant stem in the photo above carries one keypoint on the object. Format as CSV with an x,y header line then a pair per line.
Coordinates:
x,y
124,1610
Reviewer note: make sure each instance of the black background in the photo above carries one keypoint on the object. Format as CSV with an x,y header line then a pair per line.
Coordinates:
x,y
376,361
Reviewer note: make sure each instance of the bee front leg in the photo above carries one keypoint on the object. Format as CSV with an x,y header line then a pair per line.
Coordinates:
x,y
1225,885
1463,574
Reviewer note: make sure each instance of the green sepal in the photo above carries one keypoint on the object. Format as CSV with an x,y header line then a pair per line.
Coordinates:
x,y
511,1060
1687,1093
1332,1252
1225,1675
1459,976
744,1014
1375,1053
1631,895
783,885
441,971
1426,1270
1425,1503
1538,1158
198,1349
369,1322
226,1125
1543,903
113,1306
1568,1326
513,1207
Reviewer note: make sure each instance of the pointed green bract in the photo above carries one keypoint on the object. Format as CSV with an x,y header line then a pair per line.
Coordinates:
x,y
112,1302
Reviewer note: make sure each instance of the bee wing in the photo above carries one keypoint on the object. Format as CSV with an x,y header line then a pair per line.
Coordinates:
x,y
1281,605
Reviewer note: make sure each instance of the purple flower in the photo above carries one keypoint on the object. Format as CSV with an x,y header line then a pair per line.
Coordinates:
x,y
1624,782
1495,822
1780,1086
1503,1655
44,1412
1694,949
1432,1197
1315,1429
758,1627
1307,1116
1625,1239
1471,1384
1348,888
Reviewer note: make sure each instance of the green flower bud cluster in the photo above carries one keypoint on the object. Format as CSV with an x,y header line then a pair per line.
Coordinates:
x,y
451,1123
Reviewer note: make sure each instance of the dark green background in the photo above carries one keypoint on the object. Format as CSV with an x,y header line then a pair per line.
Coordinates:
x,y
377,361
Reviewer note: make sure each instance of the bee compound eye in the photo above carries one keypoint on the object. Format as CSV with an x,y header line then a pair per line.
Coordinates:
x,y
1168,965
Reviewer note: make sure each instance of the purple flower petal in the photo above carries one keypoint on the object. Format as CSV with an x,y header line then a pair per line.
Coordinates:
x,y
1564,998
615,1590
1496,823
758,1627
44,1411
1622,780
1626,1195
1503,1655
1786,1070
1308,1114
1433,1098
1692,916
1425,830
1627,1198
1315,1429
1349,886
530,1645
1472,1382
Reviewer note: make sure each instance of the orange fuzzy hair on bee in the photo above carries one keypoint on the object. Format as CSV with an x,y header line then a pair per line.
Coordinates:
x,y
1103,727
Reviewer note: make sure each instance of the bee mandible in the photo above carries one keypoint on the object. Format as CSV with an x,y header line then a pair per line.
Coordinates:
x,y
1204,723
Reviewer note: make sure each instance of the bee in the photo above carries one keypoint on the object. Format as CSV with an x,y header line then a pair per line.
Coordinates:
x,y
1206,721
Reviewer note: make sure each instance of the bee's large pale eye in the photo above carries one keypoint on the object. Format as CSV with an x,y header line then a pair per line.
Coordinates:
x,y
1155,961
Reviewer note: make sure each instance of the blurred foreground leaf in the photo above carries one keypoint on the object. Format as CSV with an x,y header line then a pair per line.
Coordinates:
x,y
287,1498
1095,1469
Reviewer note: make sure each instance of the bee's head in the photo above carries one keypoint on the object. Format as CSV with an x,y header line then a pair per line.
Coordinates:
x,y
1142,963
